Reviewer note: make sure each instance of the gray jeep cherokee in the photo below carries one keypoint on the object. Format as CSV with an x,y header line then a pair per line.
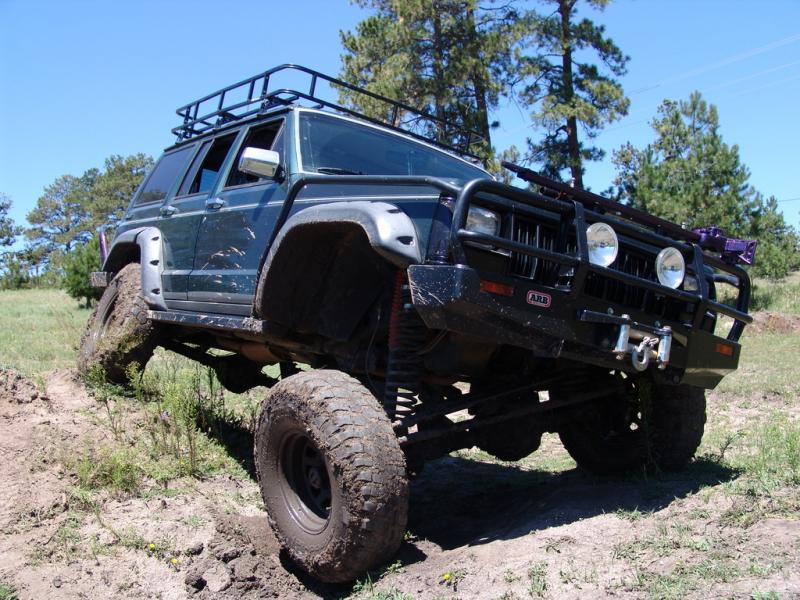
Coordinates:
x,y
286,229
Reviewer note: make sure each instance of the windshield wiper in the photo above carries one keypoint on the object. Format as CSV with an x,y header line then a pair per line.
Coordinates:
x,y
337,171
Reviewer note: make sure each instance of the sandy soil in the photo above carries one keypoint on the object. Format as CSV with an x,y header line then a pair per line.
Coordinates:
x,y
477,529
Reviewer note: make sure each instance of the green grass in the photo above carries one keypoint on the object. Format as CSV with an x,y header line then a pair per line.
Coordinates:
x,y
7,592
768,365
39,330
779,296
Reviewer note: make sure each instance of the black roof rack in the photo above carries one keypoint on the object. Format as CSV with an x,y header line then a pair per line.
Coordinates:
x,y
254,96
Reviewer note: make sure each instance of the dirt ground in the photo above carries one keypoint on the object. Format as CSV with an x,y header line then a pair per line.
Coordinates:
x,y
478,529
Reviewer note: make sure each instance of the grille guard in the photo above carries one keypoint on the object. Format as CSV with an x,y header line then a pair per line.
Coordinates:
x,y
573,219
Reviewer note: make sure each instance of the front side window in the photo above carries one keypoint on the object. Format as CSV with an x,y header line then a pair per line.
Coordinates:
x,y
337,146
265,137
168,168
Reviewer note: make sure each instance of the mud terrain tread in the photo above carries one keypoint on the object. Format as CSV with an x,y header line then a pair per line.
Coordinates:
x,y
129,337
351,429
672,434
679,413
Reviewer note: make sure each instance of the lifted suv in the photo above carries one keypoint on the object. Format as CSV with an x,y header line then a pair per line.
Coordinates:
x,y
416,287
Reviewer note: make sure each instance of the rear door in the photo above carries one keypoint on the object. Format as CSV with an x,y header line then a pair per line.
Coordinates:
x,y
181,215
235,231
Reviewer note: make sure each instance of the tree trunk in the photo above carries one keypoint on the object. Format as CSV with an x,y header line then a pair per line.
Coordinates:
x,y
573,146
438,71
478,82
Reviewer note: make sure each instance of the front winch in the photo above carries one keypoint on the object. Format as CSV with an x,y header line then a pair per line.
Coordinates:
x,y
656,347
643,343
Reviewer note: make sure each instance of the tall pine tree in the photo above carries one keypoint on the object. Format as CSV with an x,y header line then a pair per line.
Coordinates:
x,y
568,93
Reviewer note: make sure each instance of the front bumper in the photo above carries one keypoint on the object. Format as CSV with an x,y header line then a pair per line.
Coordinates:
x,y
559,324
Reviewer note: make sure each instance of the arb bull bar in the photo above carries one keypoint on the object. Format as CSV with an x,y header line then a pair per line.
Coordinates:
x,y
699,357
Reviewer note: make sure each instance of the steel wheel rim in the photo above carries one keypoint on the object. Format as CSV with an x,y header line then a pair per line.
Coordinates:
x,y
304,482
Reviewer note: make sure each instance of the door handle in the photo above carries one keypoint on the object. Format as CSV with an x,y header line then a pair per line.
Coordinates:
x,y
215,203
167,211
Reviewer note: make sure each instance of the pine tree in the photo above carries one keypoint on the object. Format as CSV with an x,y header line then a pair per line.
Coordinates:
x,y
690,176
72,208
566,92
8,229
451,58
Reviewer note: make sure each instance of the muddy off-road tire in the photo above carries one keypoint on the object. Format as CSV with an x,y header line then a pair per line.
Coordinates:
x,y
642,426
332,475
118,332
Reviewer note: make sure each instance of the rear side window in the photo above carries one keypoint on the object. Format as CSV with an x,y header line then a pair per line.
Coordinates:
x,y
169,167
205,177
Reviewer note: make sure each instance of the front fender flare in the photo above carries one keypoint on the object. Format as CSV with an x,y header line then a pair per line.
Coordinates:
x,y
150,254
390,231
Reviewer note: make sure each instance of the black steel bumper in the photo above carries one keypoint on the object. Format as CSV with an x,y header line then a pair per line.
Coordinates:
x,y
451,298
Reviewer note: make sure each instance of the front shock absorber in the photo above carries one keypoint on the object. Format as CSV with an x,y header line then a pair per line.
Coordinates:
x,y
404,367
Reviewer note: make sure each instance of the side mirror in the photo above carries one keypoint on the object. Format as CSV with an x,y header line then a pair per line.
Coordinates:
x,y
259,162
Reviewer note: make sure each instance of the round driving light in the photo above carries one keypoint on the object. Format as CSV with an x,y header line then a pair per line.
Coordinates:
x,y
670,267
603,244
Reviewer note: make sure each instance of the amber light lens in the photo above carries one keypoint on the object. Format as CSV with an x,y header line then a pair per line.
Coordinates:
x,y
725,349
493,287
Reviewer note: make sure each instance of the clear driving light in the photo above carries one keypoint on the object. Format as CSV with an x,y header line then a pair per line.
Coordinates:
x,y
603,244
670,267
483,221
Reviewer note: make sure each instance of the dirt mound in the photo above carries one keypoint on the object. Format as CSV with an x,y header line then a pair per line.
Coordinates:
x,y
774,322
243,561
18,389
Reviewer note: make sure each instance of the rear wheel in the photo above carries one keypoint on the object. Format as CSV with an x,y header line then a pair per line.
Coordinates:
x,y
118,332
638,425
332,475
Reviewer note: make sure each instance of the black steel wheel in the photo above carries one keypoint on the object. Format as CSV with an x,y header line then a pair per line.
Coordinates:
x,y
332,475
637,425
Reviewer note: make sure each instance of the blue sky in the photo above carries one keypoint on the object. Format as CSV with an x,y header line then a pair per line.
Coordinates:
x,y
81,80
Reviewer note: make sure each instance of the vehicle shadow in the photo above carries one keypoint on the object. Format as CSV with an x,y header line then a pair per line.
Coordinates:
x,y
237,439
487,501
496,501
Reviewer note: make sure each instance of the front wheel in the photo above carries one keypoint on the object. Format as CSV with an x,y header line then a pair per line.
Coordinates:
x,y
637,425
332,475
118,333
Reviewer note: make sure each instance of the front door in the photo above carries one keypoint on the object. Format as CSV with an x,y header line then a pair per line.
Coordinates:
x,y
236,228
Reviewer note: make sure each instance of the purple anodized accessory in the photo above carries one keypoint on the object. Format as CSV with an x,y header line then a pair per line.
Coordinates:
x,y
731,250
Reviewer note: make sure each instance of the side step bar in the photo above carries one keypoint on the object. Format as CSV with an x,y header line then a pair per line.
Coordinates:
x,y
209,321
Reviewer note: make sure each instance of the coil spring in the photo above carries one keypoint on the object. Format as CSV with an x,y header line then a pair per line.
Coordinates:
x,y
404,367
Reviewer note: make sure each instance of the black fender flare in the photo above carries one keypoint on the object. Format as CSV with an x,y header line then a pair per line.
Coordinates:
x,y
389,231
142,245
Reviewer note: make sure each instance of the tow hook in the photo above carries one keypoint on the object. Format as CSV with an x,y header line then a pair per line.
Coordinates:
x,y
649,348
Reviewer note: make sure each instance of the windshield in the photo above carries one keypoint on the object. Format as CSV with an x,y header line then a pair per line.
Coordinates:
x,y
337,146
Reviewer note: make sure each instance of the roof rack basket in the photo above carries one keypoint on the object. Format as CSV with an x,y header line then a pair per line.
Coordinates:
x,y
258,98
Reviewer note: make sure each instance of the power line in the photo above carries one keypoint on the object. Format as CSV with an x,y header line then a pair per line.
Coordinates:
x,y
723,63
789,200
